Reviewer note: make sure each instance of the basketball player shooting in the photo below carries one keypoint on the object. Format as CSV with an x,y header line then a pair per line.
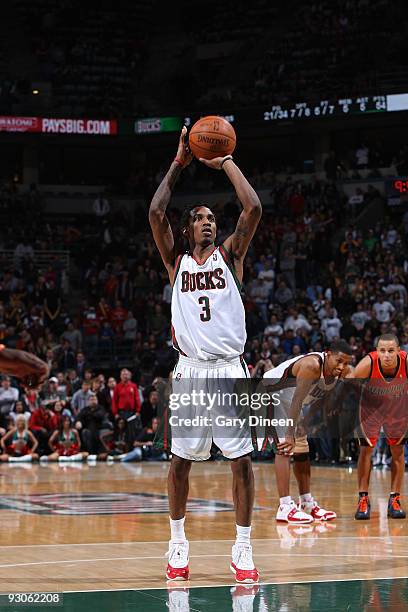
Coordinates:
x,y
208,329
383,374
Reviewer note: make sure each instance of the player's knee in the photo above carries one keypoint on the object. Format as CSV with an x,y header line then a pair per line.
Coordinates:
x,y
180,466
242,467
300,457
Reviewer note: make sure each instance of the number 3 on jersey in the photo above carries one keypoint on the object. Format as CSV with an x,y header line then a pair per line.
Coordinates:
x,y
205,315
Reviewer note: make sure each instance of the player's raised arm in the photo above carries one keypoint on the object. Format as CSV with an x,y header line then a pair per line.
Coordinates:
x,y
162,232
32,371
238,242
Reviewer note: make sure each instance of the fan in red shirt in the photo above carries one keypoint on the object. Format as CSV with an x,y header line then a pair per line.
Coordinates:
x,y
118,317
126,398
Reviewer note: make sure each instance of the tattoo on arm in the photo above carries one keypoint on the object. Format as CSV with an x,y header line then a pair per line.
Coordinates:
x,y
163,193
241,229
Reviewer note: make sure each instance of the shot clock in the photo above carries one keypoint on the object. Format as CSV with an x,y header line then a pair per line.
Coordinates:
x,y
397,191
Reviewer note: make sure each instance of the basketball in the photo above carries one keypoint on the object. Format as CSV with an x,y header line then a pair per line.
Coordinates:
x,y
212,136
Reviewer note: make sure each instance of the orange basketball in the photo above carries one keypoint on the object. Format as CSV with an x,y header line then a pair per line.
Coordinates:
x,y
212,136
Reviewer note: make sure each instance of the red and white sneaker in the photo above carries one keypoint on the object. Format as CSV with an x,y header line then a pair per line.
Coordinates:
x,y
242,564
318,514
177,567
290,513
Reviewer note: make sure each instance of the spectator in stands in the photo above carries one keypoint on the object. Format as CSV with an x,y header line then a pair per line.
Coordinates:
x,y
49,394
284,294
42,423
20,408
74,337
107,395
8,398
91,421
360,317
117,441
130,327
80,365
126,399
384,311
66,356
274,330
149,406
143,445
331,326
80,399
118,317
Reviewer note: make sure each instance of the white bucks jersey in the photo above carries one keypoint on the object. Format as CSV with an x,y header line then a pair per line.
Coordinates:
x,y
208,316
283,378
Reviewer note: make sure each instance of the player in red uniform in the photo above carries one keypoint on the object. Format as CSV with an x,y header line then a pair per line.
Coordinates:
x,y
383,404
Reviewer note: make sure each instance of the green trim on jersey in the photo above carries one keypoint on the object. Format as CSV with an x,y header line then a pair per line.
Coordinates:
x,y
177,265
227,257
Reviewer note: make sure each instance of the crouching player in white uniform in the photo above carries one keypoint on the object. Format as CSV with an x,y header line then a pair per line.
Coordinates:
x,y
301,382
208,329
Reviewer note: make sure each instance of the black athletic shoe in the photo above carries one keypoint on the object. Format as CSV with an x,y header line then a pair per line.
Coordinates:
x,y
394,507
363,509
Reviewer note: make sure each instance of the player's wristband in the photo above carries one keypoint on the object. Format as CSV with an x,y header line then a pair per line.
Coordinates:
x,y
176,159
226,158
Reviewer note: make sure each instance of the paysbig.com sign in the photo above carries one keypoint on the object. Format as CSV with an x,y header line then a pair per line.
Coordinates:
x,y
49,125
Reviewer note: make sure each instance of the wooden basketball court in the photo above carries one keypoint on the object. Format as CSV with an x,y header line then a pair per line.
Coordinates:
x,y
99,533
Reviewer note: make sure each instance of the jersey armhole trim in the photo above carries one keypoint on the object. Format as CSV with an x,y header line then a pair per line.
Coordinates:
x,y
371,366
227,257
177,264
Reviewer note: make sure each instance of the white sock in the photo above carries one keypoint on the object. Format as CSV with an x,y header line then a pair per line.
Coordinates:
x,y
177,530
306,497
91,457
285,500
63,458
77,457
243,534
22,459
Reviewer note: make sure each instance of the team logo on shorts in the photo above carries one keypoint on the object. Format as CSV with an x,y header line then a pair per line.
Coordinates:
x,y
178,375
215,257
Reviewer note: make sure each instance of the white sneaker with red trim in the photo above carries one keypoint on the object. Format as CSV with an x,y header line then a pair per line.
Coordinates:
x,y
289,513
242,564
177,568
319,514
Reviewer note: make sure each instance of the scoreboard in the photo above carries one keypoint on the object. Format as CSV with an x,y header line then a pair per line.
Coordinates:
x,y
360,105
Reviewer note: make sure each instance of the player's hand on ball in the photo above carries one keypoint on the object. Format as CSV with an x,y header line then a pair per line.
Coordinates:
x,y
184,155
215,163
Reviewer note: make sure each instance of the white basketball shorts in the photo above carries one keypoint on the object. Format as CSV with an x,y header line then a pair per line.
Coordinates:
x,y
206,393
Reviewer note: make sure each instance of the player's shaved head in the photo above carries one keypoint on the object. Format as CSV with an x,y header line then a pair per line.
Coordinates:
x,y
387,338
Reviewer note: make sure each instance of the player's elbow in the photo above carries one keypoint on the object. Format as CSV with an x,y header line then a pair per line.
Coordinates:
x,y
255,207
155,215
